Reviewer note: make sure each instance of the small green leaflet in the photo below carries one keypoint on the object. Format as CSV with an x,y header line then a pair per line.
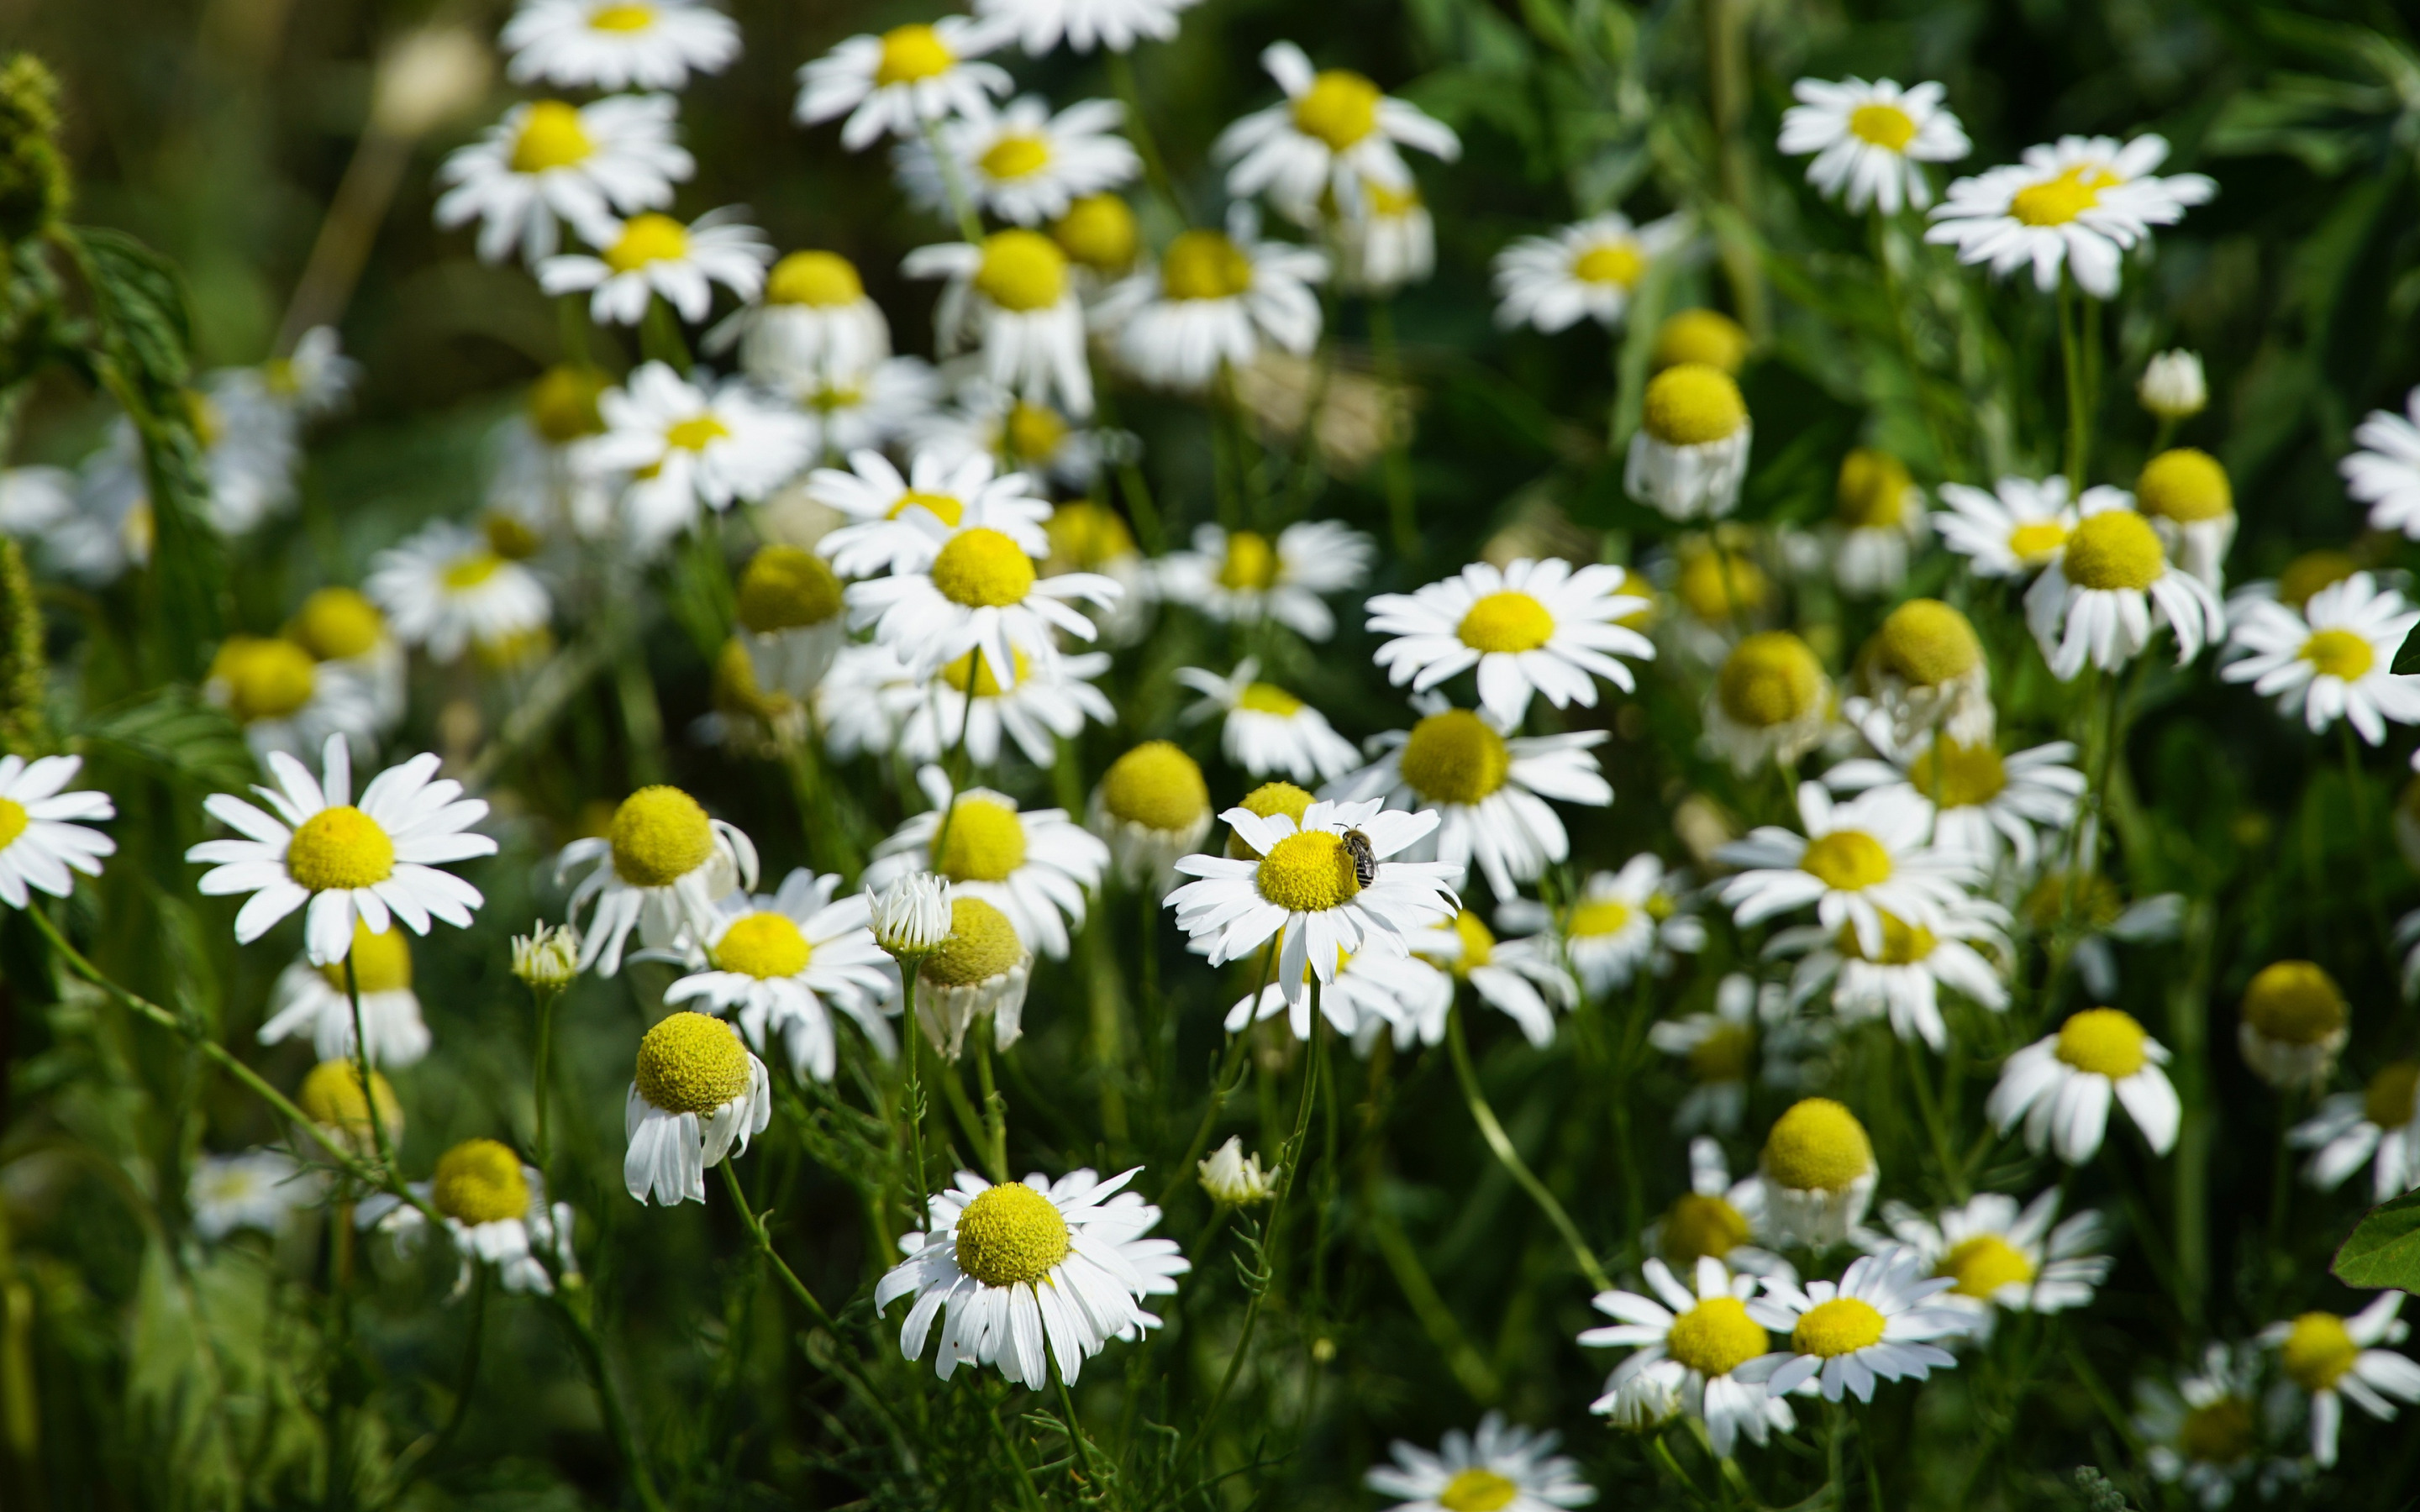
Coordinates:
x,y
2385,1250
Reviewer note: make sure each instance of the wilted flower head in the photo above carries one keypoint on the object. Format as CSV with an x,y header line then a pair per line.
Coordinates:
x,y
548,959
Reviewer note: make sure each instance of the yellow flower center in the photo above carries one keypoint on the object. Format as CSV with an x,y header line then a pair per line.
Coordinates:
x,y
1250,565
2103,1041
1204,264
1477,940
1016,157
468,572
2393,1098
1619,263
2184,484
1885,126
1084,536
264,679
912,53
2057,201
1506,621
763,945
1693,404
2312,571
563,403
339,849
1818,1146
1846,860
691,1063
986,841
647,238
381,962
1957,777
784,587
2036,541
1702,1226
818,280
1927,642
338,623
947,508
1021,270
2318,1352
331,1097
1453,757
1269,799
621,18
1707,337
2339,653
1716,1336
1872,491
1308,872
1157,786
982,568
1010,1236
1597,917
1476,1491
509,536
479,1182
2218,1433
1036,433
2114,549
1769,678
1983,1264
1714,584
1267,698
659,835
1723,1055
982,944
1097,231
14,821
1340,108
985,684
734,688
551,137
1903,944
1841,1326
695,434
2294,1002
1391,204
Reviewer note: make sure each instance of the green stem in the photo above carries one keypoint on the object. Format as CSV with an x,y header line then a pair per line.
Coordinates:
x,y
961,208
546,998
1399,464
1501,1143
912,1114
1222,1085
1077,1443
995,1112
2070,359
1928,1107
361,1064
1155,168
609,1403
956,769
414,1460
661,339
765,1242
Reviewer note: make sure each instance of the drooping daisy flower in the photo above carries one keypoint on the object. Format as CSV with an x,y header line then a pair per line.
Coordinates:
x,y
1997,1256
1532,627
1244,576
1720,1050
446,589
1869,138
2016,528
696,1096
814,328
977,594
495,1209
1012,300
1689,454
781,965
550,162
345,632
1902,981
1034,865
1520,976
1264,730
790,620
1153,806
2334,659
2383,1119
1301,884
2209,1431
2078,203
617,44
2109,587
685,445
255,1189
1771,701
1925,670
2336,1359
1878,1319
898,81
1691,1340
313,999
1620,922
2386,472
1583,272
651,255
1819,1173
376,861
659,867
2185,494
284,700
1977,800
1027,1265
978,971
2295,1024
1858,861
1115,24
1503,1468
2061,1085
39,844
885,508
1391,244
1024,164
1335,134
1214,299
1878,515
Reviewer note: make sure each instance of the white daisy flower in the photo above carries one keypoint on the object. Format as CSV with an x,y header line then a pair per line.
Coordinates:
x,y
617,44
2295,1022
1011,298
814,330
685,444
2386,472
1266,731
1878,1319
1878,517
1869,138
697,1095
446,589
1817,1172
1117,26
652,254
1583,272
346,633
1532,627
1026,1266
883,507
1153,806
784,963
1926,672
2185,494
1045,705
1690,1341
1689,454
2109,587
1212,301
892,402
1390,244
1719,1049
1371,992
255,1189
1999,1257
977,591
895,82
312,1001
314,380
979,971
1243,576
1503,1468
1335,134
2079,203
1620,922
2017,527
2060,1086
790,613
987,418
35,500
2207,1431
332,1098
1858,861
1771,701
1903,980
1520,976
1717,1219
1023,164
495,1209
659,867
1989,805
2381,1120
251,453
284,700
550,162
2335,1360
1299,884
376,861
1034,865
2334,659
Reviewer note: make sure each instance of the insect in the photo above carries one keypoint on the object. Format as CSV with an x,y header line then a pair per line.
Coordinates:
x,y
1365,862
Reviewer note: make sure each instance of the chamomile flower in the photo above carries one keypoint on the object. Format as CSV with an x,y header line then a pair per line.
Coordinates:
x,y
1535,625
2017,527
1372,993
1488,789
495,1209
2382,1120
1868,139
1879,1319
1024,164
1857,862
2333,658
1519,976
652,254
1117,26
1266,731
2185,494
1503,1468
548,162
2209,1431
1390,244
2335,1360
1690,1340
344,631
979,971
1620,922
312,1000
1212,300
2079,203
1903,980
2294,1024
2060,1086
697,1096
659,867
977,595
1010,298
1689,454
1035,864
2386,472
447,589
894,82
284,700
617,44
1244,576
1235,1178
331,1097
814,330
1997,1255
1041,708
686,445
1335,135
1026,1266
783,964
1878,515
1299,884
2109,586
1717,1218
1153,806
1977,801
1771,701
256,1189
2101,918
885,508
1583,272
892,402
1925,671
789,612
374,862
1818,1173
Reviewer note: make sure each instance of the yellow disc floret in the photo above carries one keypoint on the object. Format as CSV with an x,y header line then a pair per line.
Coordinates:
x,y
784,587
1021,270
1707,337
695,434
262,678
691,1063
551,137
1983,1264
1927,642
1340,108
763,945
2185,485
1873,491
331,1097
1267,698
1476,942
2114,549
982,568
1716,1336
381,961
1478,1489
2294,1002
986,839
1714,583
2341,653
982,944
334,623
1903,944
2103,1041
1084,536
1265,800
1769,678
1847,860
1841,1326
1016,157
621,18
659,835
479,1182
14,819
2312,571
2034,542
1818,1146
1010,1236
1250,564
1308,871
338,849
1157,786
2318,1351
1693,404
1723,1055
2060,200
912,53
563,403
1955,776
1619,263
2218,1433
1594,917
1885,126
818,280
1506,621
1204,264
1698,1224
649,237
1454,756
2392,1099
1098,231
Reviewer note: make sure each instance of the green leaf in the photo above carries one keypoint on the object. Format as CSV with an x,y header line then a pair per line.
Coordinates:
x,y
177,735
143,302
2385,1250
2406,657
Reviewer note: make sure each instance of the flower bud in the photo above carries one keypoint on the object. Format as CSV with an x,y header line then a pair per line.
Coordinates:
x,y
1235,1179
2172,387
548,959
911,917
427,78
